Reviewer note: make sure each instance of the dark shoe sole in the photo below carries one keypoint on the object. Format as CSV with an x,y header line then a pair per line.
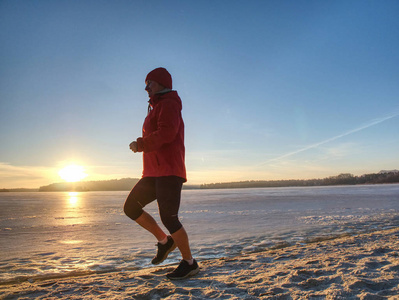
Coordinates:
x,y
189,274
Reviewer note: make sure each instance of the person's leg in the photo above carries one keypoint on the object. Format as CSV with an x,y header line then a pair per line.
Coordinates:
x,y
181,239
142,194
148,223
168,197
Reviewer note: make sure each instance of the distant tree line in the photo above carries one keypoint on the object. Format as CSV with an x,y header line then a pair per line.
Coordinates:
x,y
18,190
341,179
124,184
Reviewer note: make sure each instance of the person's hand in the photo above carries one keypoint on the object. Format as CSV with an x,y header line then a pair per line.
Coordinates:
x,y
133,146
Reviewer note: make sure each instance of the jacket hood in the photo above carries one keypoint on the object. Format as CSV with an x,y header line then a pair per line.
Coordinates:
x,y
165,95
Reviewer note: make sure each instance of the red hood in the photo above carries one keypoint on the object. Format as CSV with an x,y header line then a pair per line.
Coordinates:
x,y
170,95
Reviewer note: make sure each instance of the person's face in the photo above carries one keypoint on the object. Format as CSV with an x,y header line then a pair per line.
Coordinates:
x,y
153,87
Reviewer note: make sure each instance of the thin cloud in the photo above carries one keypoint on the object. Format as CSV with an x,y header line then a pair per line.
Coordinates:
x,y
368,125
24,176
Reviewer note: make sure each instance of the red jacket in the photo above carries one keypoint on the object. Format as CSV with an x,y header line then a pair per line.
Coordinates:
x,y
163,137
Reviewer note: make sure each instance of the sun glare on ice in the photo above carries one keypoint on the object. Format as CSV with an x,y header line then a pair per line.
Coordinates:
x,y
72,173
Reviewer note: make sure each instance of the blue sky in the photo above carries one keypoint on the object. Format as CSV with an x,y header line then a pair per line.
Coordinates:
x,y
270,89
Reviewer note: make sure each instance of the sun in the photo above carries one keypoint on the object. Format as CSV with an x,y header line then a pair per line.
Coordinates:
x,y
72,173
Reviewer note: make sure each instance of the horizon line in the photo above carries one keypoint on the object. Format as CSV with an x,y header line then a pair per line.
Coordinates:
x,y
198,184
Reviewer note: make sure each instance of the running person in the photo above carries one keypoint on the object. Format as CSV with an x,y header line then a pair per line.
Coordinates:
x,y
164,172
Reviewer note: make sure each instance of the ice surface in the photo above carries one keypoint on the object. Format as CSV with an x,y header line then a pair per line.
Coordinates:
x,y
48,235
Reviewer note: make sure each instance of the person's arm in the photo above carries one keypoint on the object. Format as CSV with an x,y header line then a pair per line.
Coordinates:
x,y
167,127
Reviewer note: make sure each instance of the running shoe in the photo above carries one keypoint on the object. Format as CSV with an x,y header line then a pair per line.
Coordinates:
x,y
163,251
184,270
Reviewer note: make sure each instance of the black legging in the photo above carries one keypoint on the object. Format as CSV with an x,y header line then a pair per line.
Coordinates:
x,y
166,190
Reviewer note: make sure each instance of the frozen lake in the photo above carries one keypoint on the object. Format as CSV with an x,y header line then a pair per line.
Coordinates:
x,y
64,234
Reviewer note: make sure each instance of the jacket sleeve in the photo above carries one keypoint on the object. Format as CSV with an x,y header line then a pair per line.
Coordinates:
x,y
169,119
